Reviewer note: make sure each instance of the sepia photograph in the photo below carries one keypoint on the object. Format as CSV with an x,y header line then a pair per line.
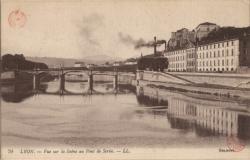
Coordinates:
x,y
125,79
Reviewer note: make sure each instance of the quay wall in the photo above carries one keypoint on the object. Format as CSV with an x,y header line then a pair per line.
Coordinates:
x,y
223,79
201,91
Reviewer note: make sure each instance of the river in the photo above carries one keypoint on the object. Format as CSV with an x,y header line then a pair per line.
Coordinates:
x,y
130,117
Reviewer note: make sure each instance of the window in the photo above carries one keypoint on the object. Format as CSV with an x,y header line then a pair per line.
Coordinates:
x,y
218,53
214,46
214,54
207,54
222,44
232,52
227,62
232,62
232,43
218,62
214,63
210,54
222,62
222,53
227,44
218,45
227,52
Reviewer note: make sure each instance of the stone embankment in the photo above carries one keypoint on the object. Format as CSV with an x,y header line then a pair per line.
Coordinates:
x,y
220,85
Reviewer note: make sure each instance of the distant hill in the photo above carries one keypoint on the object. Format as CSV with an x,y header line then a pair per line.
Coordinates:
x,y
68,62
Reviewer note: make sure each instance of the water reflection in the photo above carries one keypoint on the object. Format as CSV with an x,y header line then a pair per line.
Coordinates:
x,y
18,92
204,117
138,117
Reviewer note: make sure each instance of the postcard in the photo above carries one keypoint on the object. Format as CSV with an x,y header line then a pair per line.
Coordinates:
x,y
125,79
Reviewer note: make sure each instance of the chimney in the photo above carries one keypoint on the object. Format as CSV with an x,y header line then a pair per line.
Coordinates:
x,y
165,45
155,46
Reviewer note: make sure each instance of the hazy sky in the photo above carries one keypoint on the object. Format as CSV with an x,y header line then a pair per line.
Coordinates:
x,y
76,29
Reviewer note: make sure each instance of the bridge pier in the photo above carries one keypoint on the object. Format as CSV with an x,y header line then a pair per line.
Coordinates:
x,y
62,82
90,81
115,81
36,81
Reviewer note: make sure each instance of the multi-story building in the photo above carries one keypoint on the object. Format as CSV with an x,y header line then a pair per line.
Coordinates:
x,y
218,56
182,59
203,29
177,59
224,50
181,38
225,55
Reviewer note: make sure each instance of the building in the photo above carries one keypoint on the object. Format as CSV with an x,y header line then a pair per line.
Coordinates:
x,y
191,58
181,38
177,60
90,66
130,63
230,52
218,56
182,59
79,64
225,49
203,29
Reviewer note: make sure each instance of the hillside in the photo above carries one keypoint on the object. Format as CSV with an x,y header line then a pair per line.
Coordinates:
x,y
68,62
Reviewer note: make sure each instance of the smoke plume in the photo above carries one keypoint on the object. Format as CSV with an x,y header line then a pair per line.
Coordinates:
x,y
139,43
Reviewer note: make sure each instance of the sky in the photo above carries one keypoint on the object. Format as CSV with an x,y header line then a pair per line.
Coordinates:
x,y
82,28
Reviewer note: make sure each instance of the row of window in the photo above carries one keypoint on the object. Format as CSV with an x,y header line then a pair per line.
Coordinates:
x,y
177,58
215,69
180,51
216,63
216,54
177,65
217,45
191,63
191,55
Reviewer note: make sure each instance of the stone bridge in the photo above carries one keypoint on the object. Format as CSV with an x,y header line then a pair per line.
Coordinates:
x,y
61,72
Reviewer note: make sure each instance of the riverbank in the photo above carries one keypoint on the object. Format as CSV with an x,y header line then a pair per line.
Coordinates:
x,y
198,83
199,91
219,79
10,77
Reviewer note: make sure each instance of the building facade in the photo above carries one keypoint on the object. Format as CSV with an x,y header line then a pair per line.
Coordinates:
x,y
177,60
228,55
218,56
224,50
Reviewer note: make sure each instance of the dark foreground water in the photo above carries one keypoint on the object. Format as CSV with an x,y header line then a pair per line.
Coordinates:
x,y
133,117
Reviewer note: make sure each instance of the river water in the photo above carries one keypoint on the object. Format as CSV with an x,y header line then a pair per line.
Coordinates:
x,y
130,117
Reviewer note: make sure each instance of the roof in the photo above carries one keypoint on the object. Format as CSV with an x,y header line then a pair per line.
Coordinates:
x,y
225,33
181,29
189,44
206,23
